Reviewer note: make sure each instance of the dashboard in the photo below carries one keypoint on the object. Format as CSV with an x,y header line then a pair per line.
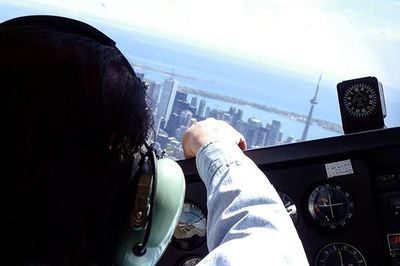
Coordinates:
x,y
342,193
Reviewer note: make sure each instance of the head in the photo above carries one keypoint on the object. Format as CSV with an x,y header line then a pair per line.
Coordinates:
x,y
76,117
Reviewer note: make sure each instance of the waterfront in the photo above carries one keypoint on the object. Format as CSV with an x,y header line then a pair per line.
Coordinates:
x,y
289,127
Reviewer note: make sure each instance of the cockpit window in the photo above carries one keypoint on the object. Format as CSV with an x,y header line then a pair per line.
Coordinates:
x,y
267,67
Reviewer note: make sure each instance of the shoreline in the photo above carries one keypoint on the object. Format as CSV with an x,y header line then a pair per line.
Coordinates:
x,y
330,126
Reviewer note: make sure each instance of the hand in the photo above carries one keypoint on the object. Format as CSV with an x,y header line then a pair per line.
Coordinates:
x,y
209,130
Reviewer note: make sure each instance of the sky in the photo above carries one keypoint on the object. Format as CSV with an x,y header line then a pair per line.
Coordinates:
x,y
345,38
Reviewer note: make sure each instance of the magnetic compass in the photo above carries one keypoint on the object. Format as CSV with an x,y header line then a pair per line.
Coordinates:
x,y
360,100
362,105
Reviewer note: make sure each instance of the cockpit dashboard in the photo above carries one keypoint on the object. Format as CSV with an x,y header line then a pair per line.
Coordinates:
x,y
342,193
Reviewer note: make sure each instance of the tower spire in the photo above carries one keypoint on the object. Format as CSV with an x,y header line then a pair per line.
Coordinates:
x,y
313,103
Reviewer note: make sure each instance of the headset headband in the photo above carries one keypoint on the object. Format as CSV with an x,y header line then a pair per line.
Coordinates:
x,y
60,24
66,25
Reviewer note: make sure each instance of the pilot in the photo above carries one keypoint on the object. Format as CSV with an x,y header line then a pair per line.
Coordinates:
x,y
81,182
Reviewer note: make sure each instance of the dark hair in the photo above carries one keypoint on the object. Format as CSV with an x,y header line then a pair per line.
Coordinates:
x,y
73,114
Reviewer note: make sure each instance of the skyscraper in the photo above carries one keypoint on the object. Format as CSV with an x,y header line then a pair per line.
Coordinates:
x,y
156,123
181,96
260,137
184,118
180,103
172,124
202,106
193,102
167,98
227,117
251,136
237,116
208,111
154,92
273,135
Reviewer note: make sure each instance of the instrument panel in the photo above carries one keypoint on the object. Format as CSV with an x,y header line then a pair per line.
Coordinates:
x,y
342,193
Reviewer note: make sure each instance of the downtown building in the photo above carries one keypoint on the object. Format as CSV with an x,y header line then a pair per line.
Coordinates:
x,y
167,98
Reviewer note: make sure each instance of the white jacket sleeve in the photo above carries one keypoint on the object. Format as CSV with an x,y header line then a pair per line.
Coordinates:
x,y
247,222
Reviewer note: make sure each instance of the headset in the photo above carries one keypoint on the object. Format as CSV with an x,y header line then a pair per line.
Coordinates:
x,y
158,186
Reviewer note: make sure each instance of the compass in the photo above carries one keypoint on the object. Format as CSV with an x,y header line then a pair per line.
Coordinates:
x,y
360,100
362,105
331,207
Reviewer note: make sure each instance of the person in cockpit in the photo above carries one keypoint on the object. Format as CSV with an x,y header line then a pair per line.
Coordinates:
x,y
81,184
81,181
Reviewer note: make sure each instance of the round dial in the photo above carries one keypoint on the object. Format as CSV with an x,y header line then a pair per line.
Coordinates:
x,y
331,206
360,100
339,254
289,204
191,229
191,261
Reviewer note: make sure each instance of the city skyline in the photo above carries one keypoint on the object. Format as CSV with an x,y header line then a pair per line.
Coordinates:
x,y
183,112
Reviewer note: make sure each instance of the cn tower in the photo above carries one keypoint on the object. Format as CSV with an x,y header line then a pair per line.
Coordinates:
x,y
313,103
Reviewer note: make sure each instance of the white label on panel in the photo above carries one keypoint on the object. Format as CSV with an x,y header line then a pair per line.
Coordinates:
x,y
339,168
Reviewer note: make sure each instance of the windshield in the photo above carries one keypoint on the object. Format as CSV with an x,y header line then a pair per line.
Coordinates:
x,y
269,68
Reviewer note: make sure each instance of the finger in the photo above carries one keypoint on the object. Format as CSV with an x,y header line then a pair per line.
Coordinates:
x,y
185,144
242,143
186,155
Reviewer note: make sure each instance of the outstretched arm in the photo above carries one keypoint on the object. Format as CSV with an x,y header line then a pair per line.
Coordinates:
x,y
247,222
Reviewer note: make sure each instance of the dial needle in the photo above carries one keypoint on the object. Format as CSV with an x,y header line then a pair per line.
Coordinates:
x,y
341,259
333,204
330,205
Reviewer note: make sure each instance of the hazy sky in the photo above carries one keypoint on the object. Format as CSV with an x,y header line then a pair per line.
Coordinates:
x,y
349,38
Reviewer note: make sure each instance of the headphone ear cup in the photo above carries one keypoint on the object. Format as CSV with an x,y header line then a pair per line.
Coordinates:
x,y
169,198
166,210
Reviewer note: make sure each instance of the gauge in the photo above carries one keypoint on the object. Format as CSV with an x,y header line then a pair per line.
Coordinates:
x,y
191,261
331,206
360,100
289,204
190,231
339,254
